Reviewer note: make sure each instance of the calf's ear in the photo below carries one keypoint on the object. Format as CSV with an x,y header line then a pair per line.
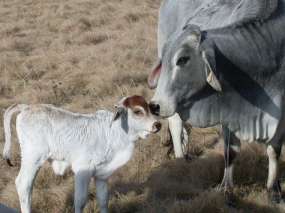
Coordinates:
x,y
154,75
211,77
120,108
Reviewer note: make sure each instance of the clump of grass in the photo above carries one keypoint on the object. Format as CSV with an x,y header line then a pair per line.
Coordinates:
x,y
94,38
185,180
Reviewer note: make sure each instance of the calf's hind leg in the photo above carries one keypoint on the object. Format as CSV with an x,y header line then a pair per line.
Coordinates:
x,y
30,165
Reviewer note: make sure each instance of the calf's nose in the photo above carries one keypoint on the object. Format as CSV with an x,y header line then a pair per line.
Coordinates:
x,y
156,127
154,108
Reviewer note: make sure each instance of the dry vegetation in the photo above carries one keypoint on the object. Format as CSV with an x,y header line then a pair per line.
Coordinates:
x,y
83,55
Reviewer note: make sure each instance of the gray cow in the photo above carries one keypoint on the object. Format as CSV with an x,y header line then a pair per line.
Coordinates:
x,y
207,14
234,76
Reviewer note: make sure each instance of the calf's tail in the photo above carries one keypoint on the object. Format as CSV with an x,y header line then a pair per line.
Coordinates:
x,y
8,114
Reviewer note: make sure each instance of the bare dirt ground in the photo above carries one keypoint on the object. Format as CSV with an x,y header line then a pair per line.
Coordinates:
x,y
83,55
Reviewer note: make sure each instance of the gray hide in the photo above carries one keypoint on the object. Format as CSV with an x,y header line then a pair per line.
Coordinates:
x,y
208,14
249,62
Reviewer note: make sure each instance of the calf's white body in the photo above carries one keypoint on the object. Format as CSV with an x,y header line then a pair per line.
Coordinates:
x,y
93,145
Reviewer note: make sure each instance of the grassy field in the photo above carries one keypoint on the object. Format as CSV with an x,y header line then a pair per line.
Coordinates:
x,y
84,55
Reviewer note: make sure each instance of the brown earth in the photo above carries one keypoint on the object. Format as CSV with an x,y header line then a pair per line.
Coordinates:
x,y
83,55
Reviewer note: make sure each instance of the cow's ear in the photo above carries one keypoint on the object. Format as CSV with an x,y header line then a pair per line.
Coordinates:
x,y
211,77
154,75
195,35
120,108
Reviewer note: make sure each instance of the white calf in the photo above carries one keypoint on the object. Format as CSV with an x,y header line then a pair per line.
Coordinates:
x,y
93,145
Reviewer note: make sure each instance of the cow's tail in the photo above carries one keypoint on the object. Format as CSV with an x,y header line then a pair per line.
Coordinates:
x,y
8,114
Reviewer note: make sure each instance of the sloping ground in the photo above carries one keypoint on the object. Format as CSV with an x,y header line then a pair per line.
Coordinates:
x,y
83,55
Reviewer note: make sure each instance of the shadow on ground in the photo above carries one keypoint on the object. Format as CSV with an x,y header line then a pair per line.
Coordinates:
x,y
179,186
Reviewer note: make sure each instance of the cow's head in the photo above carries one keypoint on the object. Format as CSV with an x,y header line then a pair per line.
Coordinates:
x,y
185,70
137,118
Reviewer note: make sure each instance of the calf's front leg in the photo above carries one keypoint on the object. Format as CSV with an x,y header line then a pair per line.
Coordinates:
x,y
82,180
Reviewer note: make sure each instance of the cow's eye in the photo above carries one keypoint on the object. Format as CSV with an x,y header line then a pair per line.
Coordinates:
x,y
182,61
138,112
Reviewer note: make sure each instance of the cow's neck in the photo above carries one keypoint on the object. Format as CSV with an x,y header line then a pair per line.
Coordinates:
x,y
250,119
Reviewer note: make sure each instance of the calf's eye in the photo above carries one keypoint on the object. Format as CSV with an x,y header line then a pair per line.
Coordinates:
x,y
138,112
182,61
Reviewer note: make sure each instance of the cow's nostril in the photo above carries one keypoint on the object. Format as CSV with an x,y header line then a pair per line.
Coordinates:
x,y
154,108
156,126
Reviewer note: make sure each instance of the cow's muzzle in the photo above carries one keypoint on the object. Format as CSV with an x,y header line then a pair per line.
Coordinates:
x,y
154,108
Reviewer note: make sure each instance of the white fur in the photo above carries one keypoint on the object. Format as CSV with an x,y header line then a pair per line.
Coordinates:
x,y
227,182
179,136
87,143
273,167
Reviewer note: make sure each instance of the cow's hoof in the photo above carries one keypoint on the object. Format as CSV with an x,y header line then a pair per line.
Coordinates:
x,y
188,157
274,197
230,199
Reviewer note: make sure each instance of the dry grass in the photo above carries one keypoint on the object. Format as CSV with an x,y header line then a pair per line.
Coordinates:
x,y
83,55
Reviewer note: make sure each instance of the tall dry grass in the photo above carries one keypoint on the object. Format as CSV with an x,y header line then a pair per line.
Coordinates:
x,y
83,55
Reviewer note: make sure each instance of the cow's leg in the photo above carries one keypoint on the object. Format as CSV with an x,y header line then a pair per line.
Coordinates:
x,y
102,194
82,180
231,150
30,164
178,134
273,183
185,142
